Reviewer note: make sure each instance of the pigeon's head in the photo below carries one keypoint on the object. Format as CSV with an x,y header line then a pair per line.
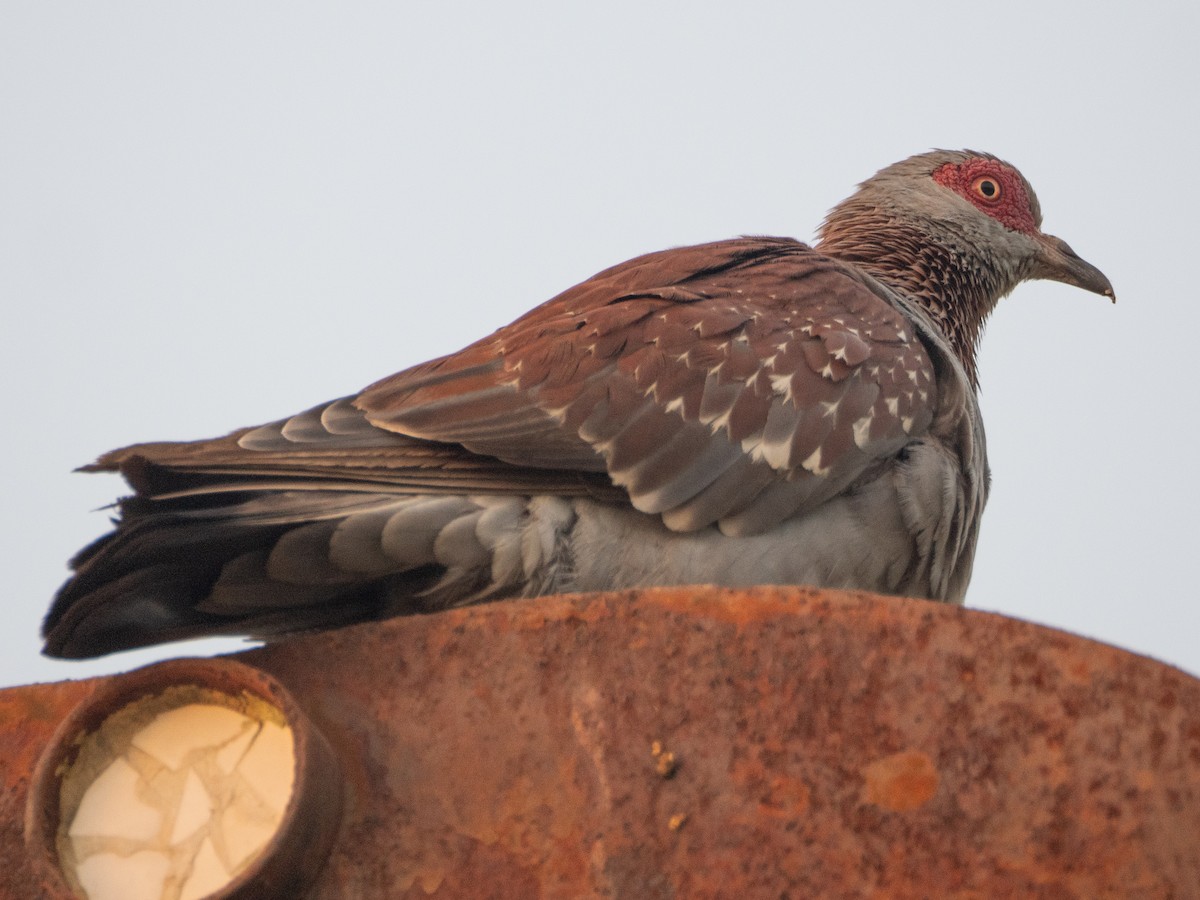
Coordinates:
x,y
978,209
953,231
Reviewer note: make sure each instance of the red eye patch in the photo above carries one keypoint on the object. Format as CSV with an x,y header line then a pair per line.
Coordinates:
x,y
993,188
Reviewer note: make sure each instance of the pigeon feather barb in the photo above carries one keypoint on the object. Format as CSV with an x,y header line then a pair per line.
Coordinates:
x,y
751,411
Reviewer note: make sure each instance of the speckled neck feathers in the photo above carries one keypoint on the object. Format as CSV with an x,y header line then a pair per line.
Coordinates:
x,y
899,234
955,286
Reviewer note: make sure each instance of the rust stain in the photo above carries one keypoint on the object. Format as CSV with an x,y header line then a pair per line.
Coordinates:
x,y
665,762
901,782
788,798
741,608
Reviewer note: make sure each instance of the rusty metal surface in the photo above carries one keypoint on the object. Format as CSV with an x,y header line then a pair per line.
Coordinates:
x,y
697,742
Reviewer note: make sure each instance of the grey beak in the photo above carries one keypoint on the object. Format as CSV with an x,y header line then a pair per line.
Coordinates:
x,y
1056,261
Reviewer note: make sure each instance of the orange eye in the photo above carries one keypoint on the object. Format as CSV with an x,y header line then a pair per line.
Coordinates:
x,y
986,188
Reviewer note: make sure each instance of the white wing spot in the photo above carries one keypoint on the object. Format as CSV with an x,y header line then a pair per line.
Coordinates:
x,y
813,464
774,453
862,430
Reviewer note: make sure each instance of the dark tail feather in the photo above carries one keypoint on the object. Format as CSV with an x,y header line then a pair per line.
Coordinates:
x,y
198,567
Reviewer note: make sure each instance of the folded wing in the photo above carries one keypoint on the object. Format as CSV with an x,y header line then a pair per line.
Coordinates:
x,y
741,383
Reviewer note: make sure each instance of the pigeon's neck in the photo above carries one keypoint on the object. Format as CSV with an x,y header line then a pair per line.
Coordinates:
x,y
951,283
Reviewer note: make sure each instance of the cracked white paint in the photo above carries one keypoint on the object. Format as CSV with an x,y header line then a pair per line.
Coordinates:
x,y
174,801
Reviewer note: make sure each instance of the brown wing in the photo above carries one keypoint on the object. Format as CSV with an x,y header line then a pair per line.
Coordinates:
x,y
332,447
737,382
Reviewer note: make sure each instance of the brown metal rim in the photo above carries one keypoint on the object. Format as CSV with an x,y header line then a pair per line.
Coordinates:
x,y
291,859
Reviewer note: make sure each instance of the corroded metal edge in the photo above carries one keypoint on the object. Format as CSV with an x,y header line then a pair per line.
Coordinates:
x,y
824,743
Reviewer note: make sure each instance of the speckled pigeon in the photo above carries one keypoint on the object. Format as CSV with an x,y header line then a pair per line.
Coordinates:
x,y
751,411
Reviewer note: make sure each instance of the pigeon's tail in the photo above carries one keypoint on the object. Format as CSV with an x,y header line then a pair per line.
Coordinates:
x,y
225,559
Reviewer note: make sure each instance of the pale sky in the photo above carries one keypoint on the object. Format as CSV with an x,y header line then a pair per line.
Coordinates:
x,y
217,214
